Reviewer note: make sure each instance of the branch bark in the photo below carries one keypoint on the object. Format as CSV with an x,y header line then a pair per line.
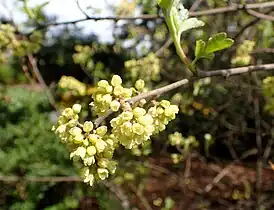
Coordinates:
x,y
215,11
201,74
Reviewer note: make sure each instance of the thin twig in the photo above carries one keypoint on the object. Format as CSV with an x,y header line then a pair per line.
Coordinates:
x,y
259,147
36,71
201,74
26,71
217,179
233,8
141,197
119,194
195,5
269,145
251,23
263,50
80,8
165,46
260,15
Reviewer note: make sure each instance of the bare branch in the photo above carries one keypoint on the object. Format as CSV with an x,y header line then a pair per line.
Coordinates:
x,y
165,46
263,50
36,71
249,24
260,15
201,74
233,8
80,8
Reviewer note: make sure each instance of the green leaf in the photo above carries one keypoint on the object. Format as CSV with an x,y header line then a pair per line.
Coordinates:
x,y
164,4
176,17
189,24
182,23
200,48
200,51
218,42
215,43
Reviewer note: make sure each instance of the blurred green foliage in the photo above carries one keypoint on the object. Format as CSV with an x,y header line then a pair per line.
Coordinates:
x,y
223,108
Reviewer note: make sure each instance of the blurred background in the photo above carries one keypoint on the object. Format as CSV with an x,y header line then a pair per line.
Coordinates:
x,y
217,153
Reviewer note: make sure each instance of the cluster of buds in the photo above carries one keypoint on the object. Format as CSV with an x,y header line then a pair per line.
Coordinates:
x,y
93,147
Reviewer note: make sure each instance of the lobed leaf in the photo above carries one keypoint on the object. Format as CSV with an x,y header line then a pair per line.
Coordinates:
x,y
218,42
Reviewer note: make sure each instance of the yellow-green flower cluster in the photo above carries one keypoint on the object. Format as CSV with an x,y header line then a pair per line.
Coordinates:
x,y
147,68
184,145
92,148
12,45
142,150
268,91
70,83
132,128
135,127
109,96
176,139
162,113
242,56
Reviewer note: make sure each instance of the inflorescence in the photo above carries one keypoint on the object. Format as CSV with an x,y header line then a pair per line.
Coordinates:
x,y
93,147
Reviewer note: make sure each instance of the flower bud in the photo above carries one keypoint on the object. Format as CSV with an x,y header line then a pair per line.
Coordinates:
x,y
111,166
88,126
76,108
116,81
88,161
75,131
93,138
115,105
107,98
118,90
78,139
102,83
68,113
91,150
138,129
103,162
102,130
102,173
127,93
89,179
100,145
61,129
72,123
140,84
138,112
165,103
145,120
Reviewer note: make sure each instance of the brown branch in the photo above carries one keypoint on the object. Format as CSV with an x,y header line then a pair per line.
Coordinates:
x,y
263,50
81,9
26,71
217,178
251,23
41,81
141,197
119,193
233,8
165,46
201,74
259,164
260,15
195,5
